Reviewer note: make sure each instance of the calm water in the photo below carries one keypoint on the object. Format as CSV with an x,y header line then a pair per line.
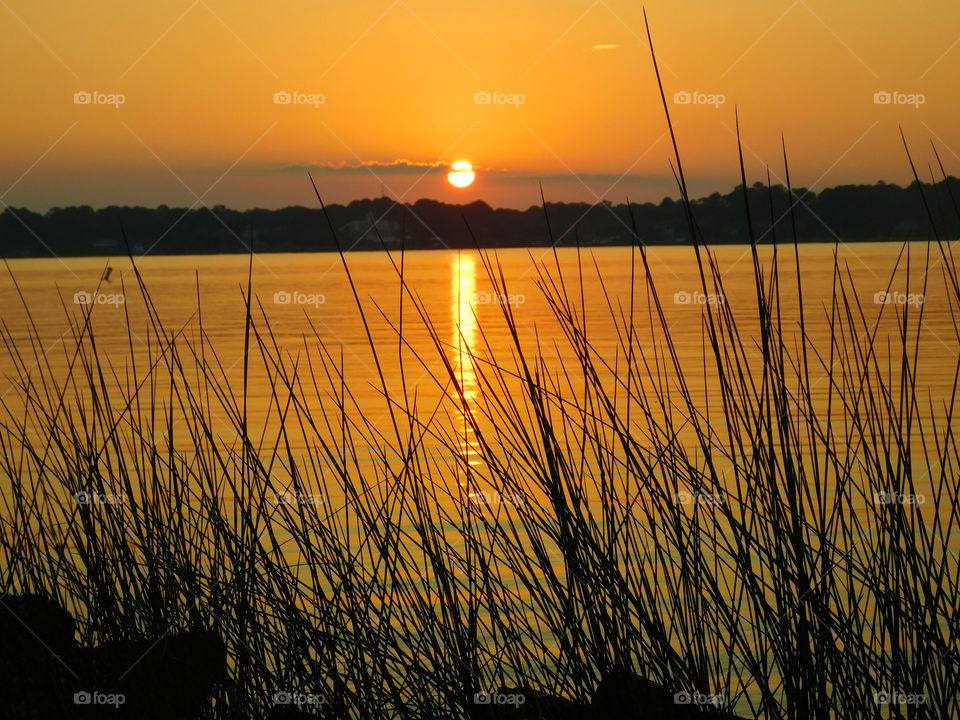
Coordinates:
x,y
308,301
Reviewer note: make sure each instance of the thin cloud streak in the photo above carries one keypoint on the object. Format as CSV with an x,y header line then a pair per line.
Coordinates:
x,y
403,166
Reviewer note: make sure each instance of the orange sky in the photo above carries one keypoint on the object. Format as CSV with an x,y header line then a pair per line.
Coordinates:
x,y
398,81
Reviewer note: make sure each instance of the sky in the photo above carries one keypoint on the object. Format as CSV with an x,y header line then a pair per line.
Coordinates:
x,y
208,102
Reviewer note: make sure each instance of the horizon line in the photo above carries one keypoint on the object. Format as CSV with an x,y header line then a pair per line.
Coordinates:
x,y
597,202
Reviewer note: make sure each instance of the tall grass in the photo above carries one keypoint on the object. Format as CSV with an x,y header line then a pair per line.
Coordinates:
x,y
790,591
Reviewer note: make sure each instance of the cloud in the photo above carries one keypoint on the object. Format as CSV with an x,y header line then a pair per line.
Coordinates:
x,y
415,167
586,177
379,167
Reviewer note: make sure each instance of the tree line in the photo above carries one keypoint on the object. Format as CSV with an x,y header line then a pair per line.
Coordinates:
x,y
849,213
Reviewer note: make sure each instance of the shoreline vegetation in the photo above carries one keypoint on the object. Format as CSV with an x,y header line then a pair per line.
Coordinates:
x,y
759,549
849,213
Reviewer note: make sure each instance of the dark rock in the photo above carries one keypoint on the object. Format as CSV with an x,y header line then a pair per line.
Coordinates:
x,y
288,712
623,695
524,703
45,675
36,636
35,623
539,705
168,679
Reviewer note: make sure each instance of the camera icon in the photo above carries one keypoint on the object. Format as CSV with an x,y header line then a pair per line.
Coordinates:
x,y
482,97
282,698
882,97
82,97
682,298
81,498
82,297
483,698
881,298
682,698
482,498
282,297
282,97
682,98
82,698
881,698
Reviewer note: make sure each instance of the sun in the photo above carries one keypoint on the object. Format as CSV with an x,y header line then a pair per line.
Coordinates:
x,y
461,174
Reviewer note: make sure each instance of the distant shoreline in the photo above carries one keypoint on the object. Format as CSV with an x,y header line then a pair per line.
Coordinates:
x,y
366,250
849,214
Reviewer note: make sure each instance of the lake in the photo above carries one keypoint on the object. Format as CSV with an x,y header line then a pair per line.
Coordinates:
x,y
307,299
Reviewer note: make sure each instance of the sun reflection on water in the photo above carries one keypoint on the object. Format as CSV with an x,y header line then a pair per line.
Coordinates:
x,y
464,289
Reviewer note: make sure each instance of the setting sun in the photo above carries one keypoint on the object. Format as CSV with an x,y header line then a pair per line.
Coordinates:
x,y
461,174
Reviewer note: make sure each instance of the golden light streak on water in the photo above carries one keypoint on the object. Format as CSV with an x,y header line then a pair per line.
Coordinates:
x,y
463,277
